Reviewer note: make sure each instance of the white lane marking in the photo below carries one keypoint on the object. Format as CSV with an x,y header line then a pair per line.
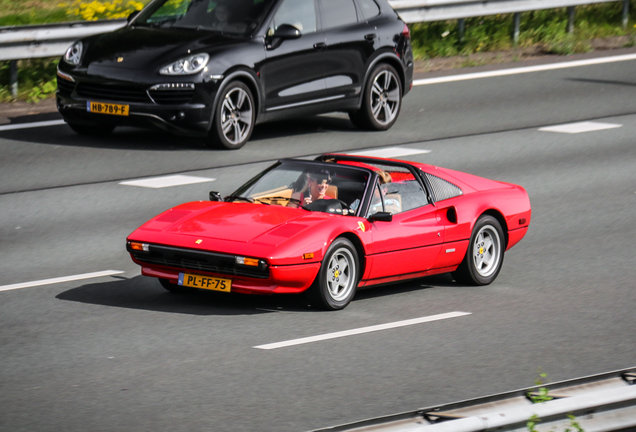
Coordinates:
x,y
526,69
389,152
60,280
168,181
32,125
361,330
579,127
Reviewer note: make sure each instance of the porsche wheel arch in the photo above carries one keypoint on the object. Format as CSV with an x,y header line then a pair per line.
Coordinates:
x,y
389,58
247,77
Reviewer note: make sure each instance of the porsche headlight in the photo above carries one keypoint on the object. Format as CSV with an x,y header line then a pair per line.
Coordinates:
x,y
186,66
74,54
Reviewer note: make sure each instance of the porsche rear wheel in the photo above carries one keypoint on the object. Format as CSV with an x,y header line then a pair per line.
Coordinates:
x,y
485,253
174,288
338,277
381,102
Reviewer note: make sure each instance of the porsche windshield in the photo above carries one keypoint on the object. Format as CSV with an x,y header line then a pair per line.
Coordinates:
x,y
238,17
322,187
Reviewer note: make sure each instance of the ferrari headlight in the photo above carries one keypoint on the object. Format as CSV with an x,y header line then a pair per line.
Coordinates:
x,y
74,54
186,66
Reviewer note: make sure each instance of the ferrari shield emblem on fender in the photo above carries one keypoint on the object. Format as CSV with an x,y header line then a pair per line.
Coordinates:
x,y
361,225
120,59
199,241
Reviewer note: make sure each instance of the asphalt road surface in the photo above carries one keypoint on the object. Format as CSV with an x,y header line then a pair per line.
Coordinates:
x,y
118,352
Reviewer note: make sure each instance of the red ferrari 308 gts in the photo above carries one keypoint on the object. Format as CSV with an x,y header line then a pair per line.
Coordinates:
x,y
329,226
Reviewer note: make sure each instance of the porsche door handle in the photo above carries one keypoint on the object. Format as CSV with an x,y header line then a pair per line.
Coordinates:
x,y
370,37
320,45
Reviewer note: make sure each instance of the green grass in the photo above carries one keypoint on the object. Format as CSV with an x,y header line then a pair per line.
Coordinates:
x,y
36,80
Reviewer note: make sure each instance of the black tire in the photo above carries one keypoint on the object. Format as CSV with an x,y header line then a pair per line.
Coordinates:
x,y
91,130
174,288
382,100
329,292
234,117
485,254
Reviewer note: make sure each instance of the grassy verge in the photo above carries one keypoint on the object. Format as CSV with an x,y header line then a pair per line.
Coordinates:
x,y
545,30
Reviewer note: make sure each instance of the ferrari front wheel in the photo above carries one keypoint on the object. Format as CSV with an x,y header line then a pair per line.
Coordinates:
x,y
337,279
485,253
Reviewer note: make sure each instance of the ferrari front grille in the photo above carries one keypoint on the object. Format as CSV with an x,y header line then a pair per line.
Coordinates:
x,y
210,262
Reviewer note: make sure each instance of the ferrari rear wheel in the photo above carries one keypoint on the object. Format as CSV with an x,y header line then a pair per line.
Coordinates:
x,y
174,288
485,253
337,279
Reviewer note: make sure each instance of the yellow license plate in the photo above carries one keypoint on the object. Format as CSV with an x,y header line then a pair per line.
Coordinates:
x,y
205,282
107,108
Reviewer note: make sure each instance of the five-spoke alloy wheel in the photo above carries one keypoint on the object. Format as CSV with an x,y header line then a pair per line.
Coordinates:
x,y
234,117
382,100
485,253
338,277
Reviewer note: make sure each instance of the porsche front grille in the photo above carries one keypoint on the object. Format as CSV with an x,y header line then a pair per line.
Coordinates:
x,y
184,259
112,92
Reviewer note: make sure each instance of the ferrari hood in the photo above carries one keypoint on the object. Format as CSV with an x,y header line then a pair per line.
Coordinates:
x,y
141,48
236,222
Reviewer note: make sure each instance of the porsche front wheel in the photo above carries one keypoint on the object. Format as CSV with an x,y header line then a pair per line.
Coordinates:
x,y
337,279
234,117
485,253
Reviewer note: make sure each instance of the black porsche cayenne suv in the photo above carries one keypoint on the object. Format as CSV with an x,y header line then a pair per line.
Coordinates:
x,y
216,68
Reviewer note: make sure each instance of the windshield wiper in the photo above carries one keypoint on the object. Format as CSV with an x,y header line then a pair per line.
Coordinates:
x,y
293,200
239,198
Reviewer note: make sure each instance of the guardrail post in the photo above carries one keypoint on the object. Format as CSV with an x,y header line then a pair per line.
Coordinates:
x,y
625,13
571,19
13,72
516,19
460,29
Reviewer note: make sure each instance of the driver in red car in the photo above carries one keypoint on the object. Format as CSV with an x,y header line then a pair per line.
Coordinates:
x,y
315,188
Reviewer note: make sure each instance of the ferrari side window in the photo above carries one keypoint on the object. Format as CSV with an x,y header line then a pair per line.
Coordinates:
x,y
299,13
376,202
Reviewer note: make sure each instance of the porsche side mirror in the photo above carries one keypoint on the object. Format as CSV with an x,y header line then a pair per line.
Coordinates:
x,y
215,196
381,217
287,31
132,15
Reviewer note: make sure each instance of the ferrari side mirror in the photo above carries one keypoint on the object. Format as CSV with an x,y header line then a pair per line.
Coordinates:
x,y
381,217
215,196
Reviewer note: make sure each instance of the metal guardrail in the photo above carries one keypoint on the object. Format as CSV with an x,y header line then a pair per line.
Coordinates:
x,y
604,402
52,40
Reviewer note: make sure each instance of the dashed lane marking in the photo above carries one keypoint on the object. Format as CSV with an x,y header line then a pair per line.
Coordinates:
x,y
390,152
32,125
527,69
361,330
167,181
579,127
60,280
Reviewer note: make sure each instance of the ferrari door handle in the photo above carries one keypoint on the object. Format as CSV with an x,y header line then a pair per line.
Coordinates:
x,y
320,45
370,37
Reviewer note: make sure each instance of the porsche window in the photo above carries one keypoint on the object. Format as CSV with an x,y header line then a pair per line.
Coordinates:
x,y
230,16
336,13
315,187
370,9
299,13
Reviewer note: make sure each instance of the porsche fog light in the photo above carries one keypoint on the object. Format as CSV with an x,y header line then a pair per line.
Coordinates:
x,y
73,55
144,247
186,66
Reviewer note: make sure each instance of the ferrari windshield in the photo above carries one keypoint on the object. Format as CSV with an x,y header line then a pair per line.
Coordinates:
x,y
322,187
238,17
